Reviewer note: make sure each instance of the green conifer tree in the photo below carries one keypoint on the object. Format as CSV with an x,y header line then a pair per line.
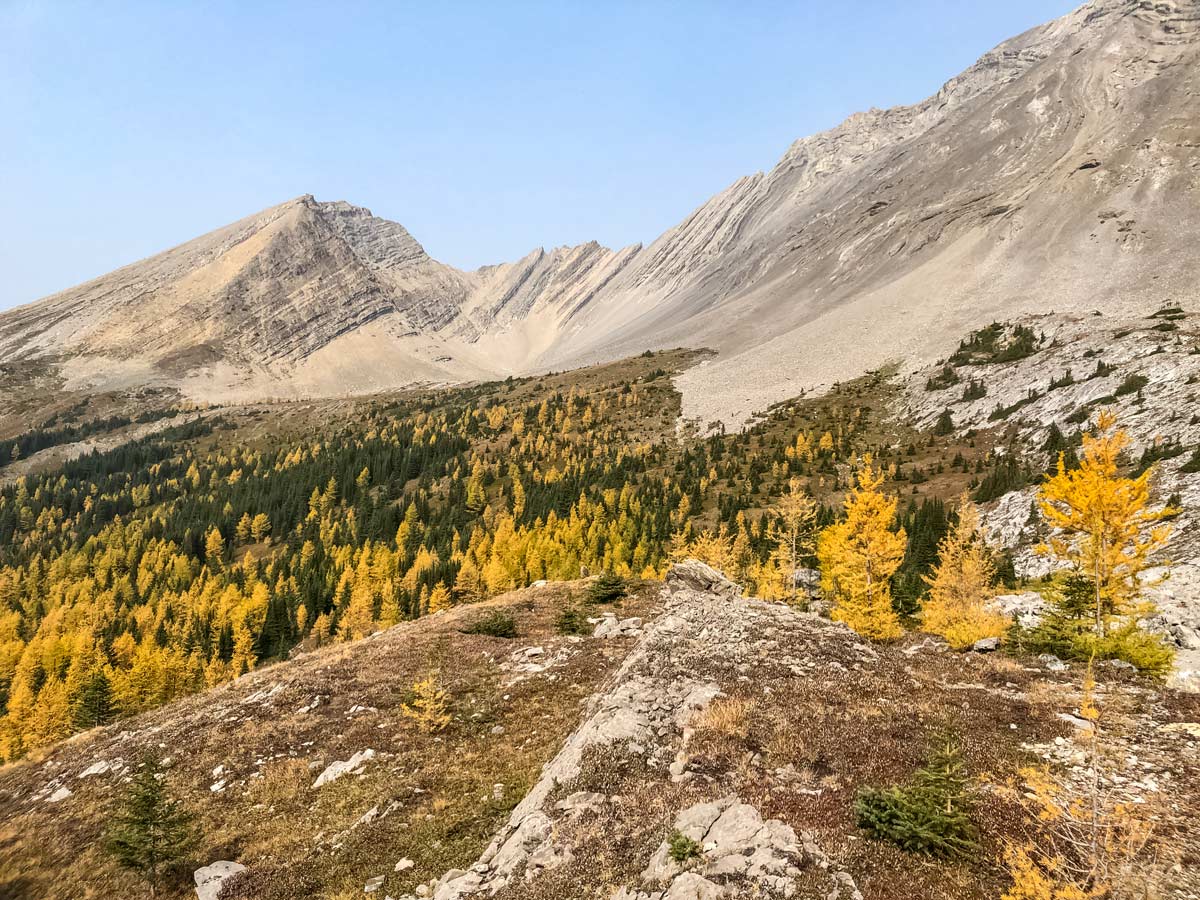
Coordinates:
x,y
151,832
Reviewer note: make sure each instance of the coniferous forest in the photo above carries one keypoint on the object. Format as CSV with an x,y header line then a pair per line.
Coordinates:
x,y
186,558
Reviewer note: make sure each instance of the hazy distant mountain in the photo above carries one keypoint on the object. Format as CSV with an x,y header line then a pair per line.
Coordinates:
x,y
1061,171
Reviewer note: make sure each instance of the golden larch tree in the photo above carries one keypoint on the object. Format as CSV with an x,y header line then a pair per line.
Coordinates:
x,y
429,707
1088,839
859,555
214,548
962,584
1105,530
792,534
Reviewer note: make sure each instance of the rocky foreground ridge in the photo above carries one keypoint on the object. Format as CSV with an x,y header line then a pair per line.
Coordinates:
x,y
574,764
704,636
643,757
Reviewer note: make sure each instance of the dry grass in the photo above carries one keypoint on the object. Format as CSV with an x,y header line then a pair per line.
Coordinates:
x,y
433,792
726,716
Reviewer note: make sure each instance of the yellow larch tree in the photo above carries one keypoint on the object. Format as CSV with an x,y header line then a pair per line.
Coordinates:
x,y
962,584
429,707
260,527
214,548
242,531
439,599
859,555
1088,838
792,534
1106,531
359,619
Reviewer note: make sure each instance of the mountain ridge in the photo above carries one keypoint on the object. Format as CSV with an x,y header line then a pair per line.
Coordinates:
x,y
1042,175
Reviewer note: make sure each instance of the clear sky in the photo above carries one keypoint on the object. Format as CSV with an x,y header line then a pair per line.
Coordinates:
x,y
486,128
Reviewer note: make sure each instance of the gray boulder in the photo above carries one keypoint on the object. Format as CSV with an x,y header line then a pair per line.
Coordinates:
x,y
352,766
808,581
693,575
210,878
690,886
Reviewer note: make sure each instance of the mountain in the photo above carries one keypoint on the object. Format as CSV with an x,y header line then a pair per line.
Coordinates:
x,y
1060,172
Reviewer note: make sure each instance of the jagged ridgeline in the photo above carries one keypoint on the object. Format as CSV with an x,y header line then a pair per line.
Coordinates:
x,y
229,537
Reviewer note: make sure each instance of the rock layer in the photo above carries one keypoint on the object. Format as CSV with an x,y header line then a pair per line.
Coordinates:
x,y
1061,170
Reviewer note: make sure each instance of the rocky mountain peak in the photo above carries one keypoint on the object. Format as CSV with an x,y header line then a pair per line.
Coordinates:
x,y
883,238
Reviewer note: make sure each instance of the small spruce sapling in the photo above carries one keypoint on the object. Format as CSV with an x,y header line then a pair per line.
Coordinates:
x,y
607,588
931,814
151,833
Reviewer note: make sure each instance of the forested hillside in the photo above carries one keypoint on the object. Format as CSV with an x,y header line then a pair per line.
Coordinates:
x,y
186,558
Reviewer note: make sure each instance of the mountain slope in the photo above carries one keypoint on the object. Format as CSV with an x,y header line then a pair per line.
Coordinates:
x,y
1061,171
572,759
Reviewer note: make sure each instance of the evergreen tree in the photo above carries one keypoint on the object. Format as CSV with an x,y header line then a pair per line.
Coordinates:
x,y
151,832
924,526
945,424
932,814
607,588
94,704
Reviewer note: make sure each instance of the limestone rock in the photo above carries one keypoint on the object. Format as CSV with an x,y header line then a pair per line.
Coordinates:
x,y
693,575
209,879
690,886
352,766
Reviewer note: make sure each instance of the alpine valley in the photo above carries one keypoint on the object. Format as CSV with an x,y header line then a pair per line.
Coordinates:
x,y
842,542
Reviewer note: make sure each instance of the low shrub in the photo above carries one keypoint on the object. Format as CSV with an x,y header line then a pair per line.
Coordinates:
x,y
607,588
1131,385
930,815
498,623
1067,629
681,848
571,620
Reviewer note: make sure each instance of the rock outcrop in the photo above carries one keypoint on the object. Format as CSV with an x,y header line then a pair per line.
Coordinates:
x,y
675,672
210,880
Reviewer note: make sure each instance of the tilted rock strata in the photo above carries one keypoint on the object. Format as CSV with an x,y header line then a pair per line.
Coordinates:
x,y
1061,171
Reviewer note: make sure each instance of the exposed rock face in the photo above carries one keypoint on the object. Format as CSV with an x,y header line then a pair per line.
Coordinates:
x,y
351,766
1060,171
693,575
1145,370
734,840
647,714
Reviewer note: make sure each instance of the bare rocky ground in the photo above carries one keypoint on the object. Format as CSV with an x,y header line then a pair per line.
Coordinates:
x,y
749,726
1151,381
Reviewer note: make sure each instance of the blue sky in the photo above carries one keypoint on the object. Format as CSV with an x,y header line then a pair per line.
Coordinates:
x,y
486,129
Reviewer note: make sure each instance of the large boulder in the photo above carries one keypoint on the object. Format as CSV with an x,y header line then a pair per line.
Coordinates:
x,y
210,878
1026,608
808,583
693,575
